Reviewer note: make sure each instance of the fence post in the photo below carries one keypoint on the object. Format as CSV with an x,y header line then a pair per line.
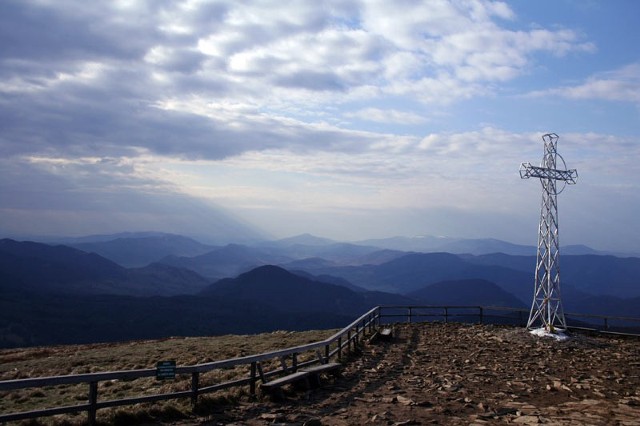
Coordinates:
x,y
446,315
252,383
340,348
93,401
481,315
195,384
409,319
327,353
261,372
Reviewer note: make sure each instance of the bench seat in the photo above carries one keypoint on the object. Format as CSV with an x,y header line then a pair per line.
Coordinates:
x,y
291,378
307,373
322,368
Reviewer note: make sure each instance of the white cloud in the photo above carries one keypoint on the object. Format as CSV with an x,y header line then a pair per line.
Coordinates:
x,y
622,84
249,102
387,116
115,63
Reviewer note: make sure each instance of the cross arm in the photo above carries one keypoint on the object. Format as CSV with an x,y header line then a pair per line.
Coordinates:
x,y
527,171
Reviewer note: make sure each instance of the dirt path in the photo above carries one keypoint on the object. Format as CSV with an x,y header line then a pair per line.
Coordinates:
x,y
467,374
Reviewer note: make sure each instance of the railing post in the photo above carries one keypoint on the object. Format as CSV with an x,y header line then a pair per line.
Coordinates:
x,y
481,315
409,319
327,353
261,372
195,384
446,315
93,402
349,341
252,383
340,348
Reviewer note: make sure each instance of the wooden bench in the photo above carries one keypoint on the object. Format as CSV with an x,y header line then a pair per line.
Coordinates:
x,y
316,370
323,368
310,376
285,380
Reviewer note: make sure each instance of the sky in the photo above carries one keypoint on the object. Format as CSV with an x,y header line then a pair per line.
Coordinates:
x,y
344,119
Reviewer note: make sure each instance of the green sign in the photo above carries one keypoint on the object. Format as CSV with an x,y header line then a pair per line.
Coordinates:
x,y
166,370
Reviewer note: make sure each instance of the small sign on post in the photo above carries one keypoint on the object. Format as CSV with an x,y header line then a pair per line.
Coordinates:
x,y
166,370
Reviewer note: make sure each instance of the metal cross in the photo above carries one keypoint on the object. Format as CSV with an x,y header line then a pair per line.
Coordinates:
x,y
547,304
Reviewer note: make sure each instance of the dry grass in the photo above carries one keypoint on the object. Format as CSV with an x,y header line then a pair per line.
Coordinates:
x,y
77,359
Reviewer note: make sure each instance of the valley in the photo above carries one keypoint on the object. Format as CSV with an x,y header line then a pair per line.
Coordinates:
x,y
161,285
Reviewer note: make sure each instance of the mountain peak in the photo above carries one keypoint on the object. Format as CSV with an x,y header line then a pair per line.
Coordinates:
x,y
267,271
305,239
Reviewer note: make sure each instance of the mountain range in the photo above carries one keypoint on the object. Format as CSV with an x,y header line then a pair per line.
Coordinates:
x,y
140,250
153,285
45,269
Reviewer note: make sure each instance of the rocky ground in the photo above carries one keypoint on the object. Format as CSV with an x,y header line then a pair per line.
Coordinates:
x,y
454,374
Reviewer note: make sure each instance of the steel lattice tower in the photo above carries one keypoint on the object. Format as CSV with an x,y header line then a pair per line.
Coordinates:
x,y
547,304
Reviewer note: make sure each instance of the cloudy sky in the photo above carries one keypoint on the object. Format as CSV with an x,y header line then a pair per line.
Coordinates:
x,y
346,119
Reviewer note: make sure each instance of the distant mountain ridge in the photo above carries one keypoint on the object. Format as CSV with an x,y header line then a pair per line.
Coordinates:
x,y
283,285
471,292
228,261
143,250
283,290
48,267
363,266
479,246
302,239
35,267
263,299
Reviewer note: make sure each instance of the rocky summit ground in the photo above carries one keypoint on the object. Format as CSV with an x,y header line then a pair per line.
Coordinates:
x,y
453,374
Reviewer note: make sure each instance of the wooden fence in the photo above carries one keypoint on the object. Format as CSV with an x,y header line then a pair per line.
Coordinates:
x,y
343,341
334,347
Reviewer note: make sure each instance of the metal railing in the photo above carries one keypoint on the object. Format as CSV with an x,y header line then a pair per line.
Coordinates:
x,y
344,341
507,316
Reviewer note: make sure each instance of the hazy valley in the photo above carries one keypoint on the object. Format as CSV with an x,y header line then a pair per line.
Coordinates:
x,y
137,286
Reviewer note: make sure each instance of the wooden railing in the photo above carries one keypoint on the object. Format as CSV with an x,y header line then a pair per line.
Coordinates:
x,y
334,347
343,341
